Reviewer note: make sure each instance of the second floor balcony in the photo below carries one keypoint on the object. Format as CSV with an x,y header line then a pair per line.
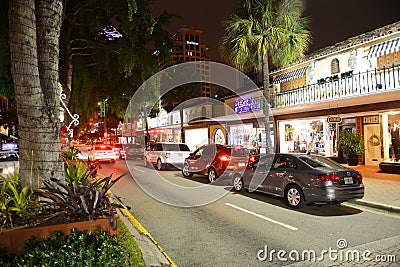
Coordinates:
x,y
349,86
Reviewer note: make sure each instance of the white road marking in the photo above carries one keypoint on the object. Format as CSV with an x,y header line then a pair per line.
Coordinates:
x,y
263,217
137,169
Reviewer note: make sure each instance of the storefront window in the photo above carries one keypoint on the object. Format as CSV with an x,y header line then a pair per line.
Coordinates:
x,y
242,135
314,136
394,137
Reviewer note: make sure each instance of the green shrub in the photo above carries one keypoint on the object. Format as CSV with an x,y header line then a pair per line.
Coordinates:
x,y
84,200
15,201
76,172
351,144
71,154
132,250
79,248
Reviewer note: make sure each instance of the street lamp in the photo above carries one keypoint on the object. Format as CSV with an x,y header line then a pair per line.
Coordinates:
x,y
147,136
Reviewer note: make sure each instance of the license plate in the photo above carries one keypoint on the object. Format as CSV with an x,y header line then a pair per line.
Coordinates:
x,y
348,180
241,164
180,154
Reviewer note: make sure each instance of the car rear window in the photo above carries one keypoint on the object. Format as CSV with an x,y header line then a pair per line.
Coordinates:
x,y
318,162
237,152
173,147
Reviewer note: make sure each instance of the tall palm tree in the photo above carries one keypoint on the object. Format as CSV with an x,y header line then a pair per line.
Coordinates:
x,y
260,32
34,31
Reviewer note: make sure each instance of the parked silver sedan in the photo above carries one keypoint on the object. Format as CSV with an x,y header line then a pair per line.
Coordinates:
x,y
301,179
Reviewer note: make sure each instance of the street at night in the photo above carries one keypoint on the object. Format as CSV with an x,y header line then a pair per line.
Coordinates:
x,y
243,229
230,133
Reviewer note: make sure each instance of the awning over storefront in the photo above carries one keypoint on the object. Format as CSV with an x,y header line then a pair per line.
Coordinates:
x,y
384,48
290,75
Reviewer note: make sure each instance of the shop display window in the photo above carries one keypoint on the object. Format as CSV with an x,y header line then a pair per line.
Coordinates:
x,y
394,137
308,136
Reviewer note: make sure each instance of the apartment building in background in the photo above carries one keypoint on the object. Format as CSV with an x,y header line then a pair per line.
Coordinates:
x,y
189,47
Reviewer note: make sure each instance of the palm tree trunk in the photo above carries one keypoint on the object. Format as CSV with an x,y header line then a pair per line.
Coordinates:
x,y
266,107
34,37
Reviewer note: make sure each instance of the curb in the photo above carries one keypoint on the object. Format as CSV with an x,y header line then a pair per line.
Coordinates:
x,y
152,252
375,205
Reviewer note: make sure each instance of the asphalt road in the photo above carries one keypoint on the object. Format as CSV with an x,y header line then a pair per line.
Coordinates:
x,y
202,225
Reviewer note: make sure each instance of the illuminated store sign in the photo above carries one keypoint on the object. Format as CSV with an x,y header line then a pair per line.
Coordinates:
x,y
246,105
192,43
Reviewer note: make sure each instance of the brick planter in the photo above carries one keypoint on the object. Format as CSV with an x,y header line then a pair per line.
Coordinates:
x,y
13,239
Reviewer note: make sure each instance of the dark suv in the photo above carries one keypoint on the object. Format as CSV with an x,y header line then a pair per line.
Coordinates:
x,y
213,160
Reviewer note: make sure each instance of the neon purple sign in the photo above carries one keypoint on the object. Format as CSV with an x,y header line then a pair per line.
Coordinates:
x,y
246,105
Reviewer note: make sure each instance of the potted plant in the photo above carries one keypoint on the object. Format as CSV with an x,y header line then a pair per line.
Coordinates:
x,y
351,144
82,203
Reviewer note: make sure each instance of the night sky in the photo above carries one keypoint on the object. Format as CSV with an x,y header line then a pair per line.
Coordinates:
x,y
331,21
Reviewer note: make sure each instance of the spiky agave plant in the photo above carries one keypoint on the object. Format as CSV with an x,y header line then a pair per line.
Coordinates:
x,y
84,200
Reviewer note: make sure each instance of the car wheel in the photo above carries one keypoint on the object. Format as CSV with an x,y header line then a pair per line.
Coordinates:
x,y
159,165
185,171
294,196
212,175
237,183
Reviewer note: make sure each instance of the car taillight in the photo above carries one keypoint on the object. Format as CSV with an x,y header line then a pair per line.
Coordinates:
x,y
329,177
359,176
225,158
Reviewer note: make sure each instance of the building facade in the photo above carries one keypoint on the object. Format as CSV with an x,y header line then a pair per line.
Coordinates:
x,y
189,47
353,85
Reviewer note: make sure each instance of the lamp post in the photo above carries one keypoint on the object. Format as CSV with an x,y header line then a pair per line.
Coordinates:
x,y
103,112
147,136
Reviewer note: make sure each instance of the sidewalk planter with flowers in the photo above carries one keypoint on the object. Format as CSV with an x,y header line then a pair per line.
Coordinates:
x,y
82,203
351,145
13,240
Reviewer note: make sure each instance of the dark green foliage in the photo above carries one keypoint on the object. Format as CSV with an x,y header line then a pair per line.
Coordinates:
x,y
79,249
116,68
77,172
6,84
133,252
6,260
71,154
15,200
350,143
81,201
76,249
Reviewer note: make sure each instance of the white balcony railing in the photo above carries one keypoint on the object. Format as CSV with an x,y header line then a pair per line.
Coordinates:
x,y
376,81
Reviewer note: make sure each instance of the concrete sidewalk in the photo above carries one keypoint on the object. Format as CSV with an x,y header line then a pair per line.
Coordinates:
x,y
382,190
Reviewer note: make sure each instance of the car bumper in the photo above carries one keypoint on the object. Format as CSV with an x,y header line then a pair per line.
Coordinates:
x,y
134,155
105,158
332,194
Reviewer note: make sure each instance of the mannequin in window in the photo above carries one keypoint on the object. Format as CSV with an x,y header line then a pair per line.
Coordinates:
x,y
395,141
